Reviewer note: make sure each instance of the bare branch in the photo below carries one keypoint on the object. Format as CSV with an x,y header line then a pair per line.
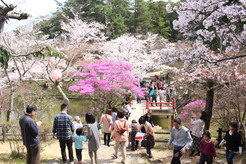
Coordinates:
x,y
230,58
17,16
5,3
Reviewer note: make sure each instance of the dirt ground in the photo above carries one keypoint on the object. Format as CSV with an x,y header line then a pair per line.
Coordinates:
x,y
50,154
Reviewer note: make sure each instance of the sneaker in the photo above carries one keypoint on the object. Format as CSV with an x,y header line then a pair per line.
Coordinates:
x,y
114,156
123,162
150,156
71,162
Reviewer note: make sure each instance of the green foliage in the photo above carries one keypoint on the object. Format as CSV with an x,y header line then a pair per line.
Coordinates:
x,y
120,16
4,57
47,51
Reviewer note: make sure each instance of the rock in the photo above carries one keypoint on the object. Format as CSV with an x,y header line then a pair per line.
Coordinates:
x,y
53,161
187,162
220,162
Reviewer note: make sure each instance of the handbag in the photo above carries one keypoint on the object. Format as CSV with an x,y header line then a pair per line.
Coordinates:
x,y
144,143
122,131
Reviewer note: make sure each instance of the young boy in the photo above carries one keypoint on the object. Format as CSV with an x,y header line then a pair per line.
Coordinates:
x,y
207,149
78,140
135,129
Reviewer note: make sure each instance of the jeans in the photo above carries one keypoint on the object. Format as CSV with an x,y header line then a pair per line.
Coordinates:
x,y
205,158
69,144
79,154
229,156
154,99
33,154
176,155
107,138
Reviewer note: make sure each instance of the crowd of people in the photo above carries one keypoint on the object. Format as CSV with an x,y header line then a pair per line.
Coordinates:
x,y
116,127
157,90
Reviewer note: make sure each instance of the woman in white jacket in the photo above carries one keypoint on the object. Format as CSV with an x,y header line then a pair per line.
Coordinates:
x,y
197,131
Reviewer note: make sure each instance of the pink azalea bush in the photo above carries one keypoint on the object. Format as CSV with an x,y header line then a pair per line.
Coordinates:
x,y
106,80
195,106
106,75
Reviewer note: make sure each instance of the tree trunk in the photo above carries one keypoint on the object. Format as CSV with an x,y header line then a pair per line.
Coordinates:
x,y
209,103
65,98
11,104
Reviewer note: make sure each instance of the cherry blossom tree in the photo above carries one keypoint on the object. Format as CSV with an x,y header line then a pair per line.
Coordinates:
x,y
216,32
26,45
145,53
106,80
20,59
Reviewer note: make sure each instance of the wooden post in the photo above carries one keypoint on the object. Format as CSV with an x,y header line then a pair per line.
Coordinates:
x,y
147,105
219,135
4,130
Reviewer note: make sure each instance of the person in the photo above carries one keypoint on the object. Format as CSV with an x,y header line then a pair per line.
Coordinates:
x,y
77,123
148,117
63,130
149,136
159,84
134,130
197,131
114,116
152,95
161,94
121,130
127,108
29,132
181,139
78,141
130,99
93,137
233,142
106,121
207,149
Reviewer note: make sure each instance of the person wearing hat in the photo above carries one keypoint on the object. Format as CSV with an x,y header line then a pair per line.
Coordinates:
x,y
134,130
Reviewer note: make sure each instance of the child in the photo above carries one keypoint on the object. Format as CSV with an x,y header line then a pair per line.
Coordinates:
x,y
135,129
78,143
207,149
233,142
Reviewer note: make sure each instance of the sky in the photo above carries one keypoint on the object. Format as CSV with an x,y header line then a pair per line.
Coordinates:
x,y
35,8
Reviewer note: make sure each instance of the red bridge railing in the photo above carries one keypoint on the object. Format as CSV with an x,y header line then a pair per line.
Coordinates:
x,y
161,104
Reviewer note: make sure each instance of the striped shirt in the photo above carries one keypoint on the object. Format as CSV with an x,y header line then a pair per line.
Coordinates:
x,y
63,126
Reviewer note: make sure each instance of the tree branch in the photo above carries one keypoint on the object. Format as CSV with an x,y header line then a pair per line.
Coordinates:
x,y
16,16
230,58
5,3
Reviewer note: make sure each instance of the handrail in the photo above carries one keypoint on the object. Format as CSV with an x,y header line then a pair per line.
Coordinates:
x,y
172,103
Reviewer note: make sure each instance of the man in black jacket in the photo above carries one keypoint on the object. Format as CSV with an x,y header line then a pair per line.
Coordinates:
x,y
29,133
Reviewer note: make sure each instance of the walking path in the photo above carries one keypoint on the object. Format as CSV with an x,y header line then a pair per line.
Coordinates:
x,y
50,153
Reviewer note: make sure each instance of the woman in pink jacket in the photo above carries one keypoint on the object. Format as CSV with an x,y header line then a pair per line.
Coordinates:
x,y
106,121
121,130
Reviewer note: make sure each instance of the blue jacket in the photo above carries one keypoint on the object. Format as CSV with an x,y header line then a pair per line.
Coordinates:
x,y
29,131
